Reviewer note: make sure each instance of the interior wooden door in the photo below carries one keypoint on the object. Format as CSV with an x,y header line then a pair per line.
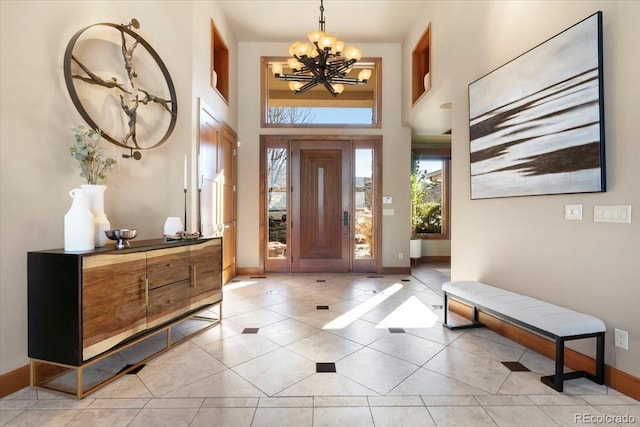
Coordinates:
x,y
320,230
217,179
227,188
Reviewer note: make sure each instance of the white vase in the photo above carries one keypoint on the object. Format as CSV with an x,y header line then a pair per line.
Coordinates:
x,y
78,224
172,226
415,248
95,200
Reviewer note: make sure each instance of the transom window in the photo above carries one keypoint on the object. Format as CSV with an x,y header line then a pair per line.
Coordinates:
x,y
356,106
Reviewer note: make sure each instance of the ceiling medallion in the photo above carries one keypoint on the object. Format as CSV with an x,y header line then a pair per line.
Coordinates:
x,y
324,61
119,85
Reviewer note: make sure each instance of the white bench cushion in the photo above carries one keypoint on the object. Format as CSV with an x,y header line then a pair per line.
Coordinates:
x,y
557,320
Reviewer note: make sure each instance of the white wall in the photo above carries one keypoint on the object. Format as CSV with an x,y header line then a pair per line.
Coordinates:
x,y
36,169
396,142
524,244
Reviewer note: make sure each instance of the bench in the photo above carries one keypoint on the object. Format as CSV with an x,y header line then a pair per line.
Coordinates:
x,y
557,323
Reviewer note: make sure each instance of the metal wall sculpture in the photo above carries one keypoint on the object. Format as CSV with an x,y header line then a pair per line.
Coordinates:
x,y
537,122
119,85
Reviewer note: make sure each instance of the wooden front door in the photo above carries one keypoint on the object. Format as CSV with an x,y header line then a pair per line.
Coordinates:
x,y
320,229
217,180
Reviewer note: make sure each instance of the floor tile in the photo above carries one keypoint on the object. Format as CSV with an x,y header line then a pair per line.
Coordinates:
x,y
335,401
480,345
344,416
395,401
401,417
223,417
276,371
408,347
285,417
44,417
286,402
240,348
104,418
185,364
324,347
516,416
463,416
375,370
360,331
224,384
426,382
478,371
287,331
327,384
257,318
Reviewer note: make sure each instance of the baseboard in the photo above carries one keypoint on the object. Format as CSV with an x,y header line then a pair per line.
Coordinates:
x,y
436,259
248,271
396,270
14,381
613,377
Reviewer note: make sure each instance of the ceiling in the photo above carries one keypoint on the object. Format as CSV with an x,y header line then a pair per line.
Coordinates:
x,y
354,21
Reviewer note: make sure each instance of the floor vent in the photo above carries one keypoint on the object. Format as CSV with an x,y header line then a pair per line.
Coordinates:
x,y
397,330
250,330
515,366
325,367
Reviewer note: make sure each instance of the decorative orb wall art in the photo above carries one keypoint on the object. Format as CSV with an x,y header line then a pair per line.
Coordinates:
x,y
119,85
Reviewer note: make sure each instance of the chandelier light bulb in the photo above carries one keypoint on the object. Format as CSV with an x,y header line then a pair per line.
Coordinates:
x,y
327,42
294,64
364,74
337,87
293,47
314,36
352,52
295,86
276,68
339,47
303,49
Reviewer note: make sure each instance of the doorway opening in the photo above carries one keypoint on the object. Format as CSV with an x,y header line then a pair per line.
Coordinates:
x,y
320,199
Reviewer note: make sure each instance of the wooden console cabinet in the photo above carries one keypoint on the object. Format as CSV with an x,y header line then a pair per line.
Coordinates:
x,y
97,315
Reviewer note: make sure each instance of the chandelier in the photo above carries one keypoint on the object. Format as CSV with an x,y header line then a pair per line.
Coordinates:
x,y
324,61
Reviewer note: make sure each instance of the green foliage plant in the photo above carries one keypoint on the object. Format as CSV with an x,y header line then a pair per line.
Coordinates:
x,y
93,164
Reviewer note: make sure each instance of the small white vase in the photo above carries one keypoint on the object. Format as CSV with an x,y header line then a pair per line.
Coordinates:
x,y
95,200
172,226
415,248
78,224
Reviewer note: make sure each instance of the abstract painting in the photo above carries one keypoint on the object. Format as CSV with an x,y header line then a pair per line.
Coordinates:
x,y
537,123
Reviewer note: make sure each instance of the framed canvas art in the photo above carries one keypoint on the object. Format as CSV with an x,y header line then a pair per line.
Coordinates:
x,y
537,122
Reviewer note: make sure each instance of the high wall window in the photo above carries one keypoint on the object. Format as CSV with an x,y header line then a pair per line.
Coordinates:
x,y
430,194
358,106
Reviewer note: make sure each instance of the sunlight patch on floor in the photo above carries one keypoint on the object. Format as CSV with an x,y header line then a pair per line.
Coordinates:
x,y
412,313
353,314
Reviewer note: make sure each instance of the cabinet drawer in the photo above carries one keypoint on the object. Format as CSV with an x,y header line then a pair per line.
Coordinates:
x,y
167,302
165,266
207,256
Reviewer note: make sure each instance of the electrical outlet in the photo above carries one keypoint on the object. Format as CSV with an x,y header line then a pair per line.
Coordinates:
x,y
621,339
400,255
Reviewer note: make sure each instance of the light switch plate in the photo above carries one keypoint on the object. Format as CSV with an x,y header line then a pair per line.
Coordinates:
x,y
387,200
388,212
573,212
612,213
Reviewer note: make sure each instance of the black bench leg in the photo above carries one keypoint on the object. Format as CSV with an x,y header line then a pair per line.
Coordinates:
x,y
559,377
556,381
600,360
474,317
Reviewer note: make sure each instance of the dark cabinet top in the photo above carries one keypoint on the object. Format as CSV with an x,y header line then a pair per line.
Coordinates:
x,y
135,246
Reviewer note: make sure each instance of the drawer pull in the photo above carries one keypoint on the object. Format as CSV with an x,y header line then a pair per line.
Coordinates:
x,y
170,301
195,281
146,292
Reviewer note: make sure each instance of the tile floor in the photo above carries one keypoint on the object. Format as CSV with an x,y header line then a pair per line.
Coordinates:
x,y
395,366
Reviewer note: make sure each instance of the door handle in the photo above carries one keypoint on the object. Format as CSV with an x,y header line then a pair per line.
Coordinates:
x,y
345,218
